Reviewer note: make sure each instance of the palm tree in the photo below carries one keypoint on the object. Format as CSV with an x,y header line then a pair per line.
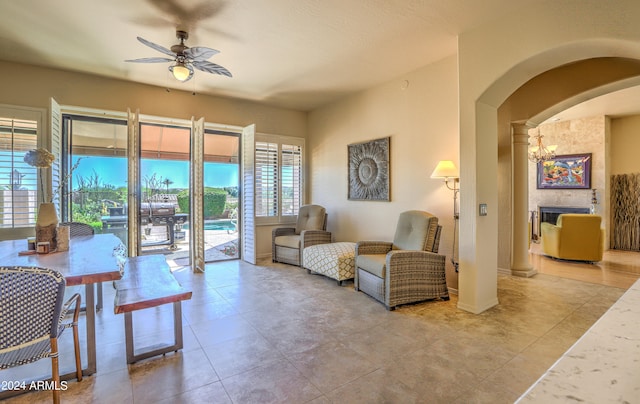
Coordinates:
x,y
167,182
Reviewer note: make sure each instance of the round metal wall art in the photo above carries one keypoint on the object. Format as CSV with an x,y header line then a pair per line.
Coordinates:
x,y
369,170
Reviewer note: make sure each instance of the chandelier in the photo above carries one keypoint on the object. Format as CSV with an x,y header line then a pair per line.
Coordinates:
x,y
540,152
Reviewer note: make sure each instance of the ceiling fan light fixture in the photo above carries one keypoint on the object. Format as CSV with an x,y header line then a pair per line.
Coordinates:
x,y
185,59
181,72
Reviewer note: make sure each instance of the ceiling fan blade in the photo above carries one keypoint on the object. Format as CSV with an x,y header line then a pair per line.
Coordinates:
x,y
211,68
150,60
157,47
200,52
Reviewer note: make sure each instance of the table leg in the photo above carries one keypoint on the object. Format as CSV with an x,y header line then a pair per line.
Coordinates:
x,y
91,329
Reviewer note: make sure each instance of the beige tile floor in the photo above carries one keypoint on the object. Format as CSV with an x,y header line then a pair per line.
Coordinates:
x,y
273,333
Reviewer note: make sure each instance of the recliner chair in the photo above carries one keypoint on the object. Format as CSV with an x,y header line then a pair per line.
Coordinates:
x,y
288,243
575,236
407,270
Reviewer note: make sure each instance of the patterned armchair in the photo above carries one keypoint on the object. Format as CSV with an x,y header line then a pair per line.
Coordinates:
x,y
407,270
32,313
288,243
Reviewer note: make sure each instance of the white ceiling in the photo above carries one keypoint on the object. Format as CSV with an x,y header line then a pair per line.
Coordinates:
x,y
292,53
616,104
298,54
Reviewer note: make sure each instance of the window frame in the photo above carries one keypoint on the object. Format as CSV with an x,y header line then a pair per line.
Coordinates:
x,y
279,217
37,115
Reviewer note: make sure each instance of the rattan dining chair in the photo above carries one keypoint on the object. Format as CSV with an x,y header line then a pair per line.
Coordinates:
x,y
32,315
77,229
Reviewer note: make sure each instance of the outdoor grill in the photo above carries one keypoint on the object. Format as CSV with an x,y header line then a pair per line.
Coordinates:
x,y
154,214
157,213
162,214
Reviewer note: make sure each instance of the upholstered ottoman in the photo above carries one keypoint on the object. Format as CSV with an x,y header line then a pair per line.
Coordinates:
x,y
335,260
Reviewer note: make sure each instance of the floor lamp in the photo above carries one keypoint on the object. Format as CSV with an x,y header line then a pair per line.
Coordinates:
x,y
449,172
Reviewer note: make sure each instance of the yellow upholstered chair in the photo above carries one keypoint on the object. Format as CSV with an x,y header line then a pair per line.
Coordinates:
x,y
575,237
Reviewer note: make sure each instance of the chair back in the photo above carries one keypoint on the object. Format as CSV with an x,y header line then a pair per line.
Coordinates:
x,y
30,308
580,232
311,217
417,231
77,229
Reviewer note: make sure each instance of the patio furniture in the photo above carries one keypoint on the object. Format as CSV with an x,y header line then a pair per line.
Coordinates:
x,y
32,313
288,243
334,260
407,270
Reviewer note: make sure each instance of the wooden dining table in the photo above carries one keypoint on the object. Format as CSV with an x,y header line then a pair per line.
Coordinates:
x,y
90,260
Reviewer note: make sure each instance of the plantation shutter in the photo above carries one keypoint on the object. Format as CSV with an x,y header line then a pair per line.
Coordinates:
x,y
55,122
291,183
248,222
266,162
196,180
19,182
133,203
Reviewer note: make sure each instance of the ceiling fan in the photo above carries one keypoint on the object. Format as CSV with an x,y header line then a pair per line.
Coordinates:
x,y
185,58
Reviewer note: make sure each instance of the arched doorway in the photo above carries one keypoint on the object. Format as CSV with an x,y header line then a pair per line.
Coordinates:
x,y
541,85
531,104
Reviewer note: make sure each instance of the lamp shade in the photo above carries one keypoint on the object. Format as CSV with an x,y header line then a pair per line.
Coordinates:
x,y
445,169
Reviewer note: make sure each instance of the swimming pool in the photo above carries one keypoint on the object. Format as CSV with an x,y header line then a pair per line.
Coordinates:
x,y
227,225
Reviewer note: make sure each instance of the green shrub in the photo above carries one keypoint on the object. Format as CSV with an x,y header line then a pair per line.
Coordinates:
x,y
214,201
231,205
183,201
97,227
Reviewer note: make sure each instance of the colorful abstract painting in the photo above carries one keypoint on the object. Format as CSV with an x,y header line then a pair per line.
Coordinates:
x,y
569,171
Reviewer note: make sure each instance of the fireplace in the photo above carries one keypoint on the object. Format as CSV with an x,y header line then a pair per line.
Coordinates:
x,y
549,214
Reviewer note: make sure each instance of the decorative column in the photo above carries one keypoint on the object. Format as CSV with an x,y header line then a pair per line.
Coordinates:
x,y
520,265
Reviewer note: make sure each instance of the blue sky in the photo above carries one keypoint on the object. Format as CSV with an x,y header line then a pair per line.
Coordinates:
x,y
113,170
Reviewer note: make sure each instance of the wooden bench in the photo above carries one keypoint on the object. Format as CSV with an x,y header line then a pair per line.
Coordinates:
x,y
148,282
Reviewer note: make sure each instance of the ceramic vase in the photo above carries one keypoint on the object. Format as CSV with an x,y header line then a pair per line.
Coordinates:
x,y
46,225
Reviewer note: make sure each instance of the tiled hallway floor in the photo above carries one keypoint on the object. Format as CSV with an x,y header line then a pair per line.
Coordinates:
x,y
273,333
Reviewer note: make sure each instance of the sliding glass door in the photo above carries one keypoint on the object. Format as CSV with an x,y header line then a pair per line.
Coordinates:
x,y
165,193
98,185
97,189
221,176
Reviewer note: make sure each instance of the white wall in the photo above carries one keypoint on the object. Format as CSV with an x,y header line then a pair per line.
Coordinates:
x,y
33,86
419,112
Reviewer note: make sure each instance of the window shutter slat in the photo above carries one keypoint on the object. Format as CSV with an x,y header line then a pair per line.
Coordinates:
x,y
291,179
266,179
18,180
